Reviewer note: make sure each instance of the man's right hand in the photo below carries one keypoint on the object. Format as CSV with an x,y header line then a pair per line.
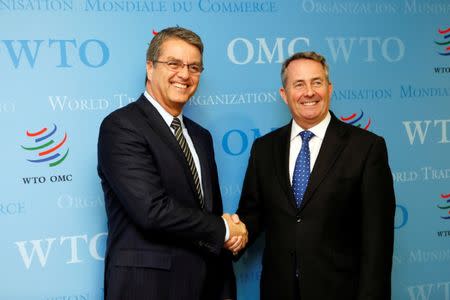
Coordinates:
x,y
238,233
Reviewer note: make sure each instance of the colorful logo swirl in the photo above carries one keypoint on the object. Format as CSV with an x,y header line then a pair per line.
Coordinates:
x,y
45,148
354,119
444,42
446,206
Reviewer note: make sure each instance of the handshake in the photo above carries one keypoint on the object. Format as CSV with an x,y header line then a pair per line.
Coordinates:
x,y
238,234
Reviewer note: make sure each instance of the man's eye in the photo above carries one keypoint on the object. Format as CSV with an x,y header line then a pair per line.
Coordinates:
x,y
173,64
194,68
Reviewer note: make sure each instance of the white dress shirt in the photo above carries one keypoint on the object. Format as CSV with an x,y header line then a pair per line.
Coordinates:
x,y
314,144
168,118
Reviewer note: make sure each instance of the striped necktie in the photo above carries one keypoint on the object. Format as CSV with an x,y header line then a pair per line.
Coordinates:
x,y
176,125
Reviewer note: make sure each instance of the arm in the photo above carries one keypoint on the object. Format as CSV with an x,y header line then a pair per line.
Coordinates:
x,y
250,206
378,208
227,280
133,176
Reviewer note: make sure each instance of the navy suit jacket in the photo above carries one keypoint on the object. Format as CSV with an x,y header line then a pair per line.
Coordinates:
x,y
340,240
161,244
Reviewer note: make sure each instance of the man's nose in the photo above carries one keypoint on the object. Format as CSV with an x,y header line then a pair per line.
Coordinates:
x,y
309,90
184,71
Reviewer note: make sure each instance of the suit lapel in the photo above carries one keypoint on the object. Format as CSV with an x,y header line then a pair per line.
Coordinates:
x,y
161,129
333,143
281,159
199,145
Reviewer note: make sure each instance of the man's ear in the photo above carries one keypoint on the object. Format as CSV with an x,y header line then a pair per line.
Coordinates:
x,y
283,94
149,68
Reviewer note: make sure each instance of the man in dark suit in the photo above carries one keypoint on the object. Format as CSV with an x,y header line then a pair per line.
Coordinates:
x,y
322,192
162,196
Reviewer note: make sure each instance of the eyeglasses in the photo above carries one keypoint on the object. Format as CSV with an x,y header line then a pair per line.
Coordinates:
x,y
177,65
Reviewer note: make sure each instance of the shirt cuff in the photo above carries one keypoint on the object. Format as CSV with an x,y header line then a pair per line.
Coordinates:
x,y
227,230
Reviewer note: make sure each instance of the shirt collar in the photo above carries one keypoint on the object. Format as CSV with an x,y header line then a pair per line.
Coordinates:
x,y
318,130
168,118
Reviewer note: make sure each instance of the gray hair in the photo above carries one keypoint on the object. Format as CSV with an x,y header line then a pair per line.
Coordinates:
x,y
181,33
303,55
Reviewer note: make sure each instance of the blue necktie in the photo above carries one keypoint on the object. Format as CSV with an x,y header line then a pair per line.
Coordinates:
x,y
301,170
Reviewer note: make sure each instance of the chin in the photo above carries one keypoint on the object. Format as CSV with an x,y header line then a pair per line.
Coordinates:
x,y
181,101
182,98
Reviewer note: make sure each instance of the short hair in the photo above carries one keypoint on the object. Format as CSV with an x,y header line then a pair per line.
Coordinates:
x,y
311,55
181,33
154,48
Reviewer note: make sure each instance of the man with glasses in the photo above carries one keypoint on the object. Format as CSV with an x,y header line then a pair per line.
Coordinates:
x,y
162,196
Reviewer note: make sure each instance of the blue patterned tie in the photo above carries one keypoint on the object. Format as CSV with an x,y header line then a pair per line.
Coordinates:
x,y
301,170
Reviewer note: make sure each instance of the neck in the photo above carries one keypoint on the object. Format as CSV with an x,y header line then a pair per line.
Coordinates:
x,y
174,110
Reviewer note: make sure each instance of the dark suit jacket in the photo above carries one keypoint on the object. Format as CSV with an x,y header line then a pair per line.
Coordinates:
x,y
161,245
341,238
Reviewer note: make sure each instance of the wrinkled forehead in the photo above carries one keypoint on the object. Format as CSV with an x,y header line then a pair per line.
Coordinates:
x,y
305,69
179,49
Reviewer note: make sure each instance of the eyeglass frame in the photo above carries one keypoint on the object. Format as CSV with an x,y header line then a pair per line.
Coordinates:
x,y
180,66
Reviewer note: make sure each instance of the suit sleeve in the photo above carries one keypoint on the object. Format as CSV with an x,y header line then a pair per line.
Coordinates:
x,y
128,166
250,206
228,288
378,209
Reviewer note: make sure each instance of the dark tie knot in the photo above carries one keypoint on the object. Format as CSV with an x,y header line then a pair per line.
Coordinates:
x,y
306,135
176,123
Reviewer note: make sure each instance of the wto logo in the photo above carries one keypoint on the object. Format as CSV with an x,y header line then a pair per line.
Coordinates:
x,y
401,216
77,248
45,149
445,35
446,206
420,130
444,49
354,119
236,141
367,49
63,53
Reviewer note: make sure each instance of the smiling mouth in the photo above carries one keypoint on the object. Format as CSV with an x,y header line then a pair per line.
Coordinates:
x,y
180,85
309,103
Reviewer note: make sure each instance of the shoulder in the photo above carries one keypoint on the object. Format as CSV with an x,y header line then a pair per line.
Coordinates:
x,y
127,115
362,135
354,133
278,135
359,141
194,127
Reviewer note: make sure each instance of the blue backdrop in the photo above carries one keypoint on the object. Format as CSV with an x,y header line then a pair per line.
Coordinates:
x,y
66,64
